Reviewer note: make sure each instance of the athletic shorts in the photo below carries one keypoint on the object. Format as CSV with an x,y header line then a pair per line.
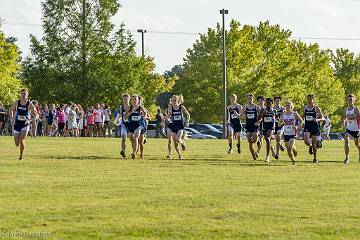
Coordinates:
x,y
133,127
288,137
98,123
354,134
234,128
106,122
252,129
175,128
265,130
312,131
19,130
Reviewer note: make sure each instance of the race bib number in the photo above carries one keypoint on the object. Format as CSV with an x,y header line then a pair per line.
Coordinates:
x,y
309,118
22,118
135,118
250,116
268,119
177,118
234,116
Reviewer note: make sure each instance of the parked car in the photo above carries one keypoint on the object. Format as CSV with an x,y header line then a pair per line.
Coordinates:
x,y
151,130
218,127
206,129
336,136
194,134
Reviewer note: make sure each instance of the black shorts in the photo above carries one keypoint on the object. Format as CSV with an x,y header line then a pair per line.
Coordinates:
x,y
252,129
175,128
288,137
106,122
312,131
265,131
236,127
354,134
132,127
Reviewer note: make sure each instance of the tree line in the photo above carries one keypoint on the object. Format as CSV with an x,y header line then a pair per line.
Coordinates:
x,y
82,58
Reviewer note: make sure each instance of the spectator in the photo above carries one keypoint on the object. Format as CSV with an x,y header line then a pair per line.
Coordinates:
x,y
2,119
327,127
160,124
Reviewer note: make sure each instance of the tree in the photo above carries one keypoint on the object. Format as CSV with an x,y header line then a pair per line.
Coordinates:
x,y
10,85
80,59
346,67
262,60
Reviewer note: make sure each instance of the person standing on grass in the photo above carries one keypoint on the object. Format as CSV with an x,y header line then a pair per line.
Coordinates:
x,y
134,115
99,120
72,122
178,122
107,116
61,121
278,127
261,105
235,111
313,116
20,114
50,120
90,122
268,115
122,121
2,118
252,123
289,119
160,124
327,127
351,125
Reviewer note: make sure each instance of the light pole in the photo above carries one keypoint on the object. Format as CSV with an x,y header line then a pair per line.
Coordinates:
x,y
223,12
142,31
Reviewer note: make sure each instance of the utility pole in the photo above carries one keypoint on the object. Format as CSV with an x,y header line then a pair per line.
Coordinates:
x,y
142,31
223,12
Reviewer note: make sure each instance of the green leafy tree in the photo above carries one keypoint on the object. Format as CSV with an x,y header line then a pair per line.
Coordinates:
x,y
9,69
262,60
80,59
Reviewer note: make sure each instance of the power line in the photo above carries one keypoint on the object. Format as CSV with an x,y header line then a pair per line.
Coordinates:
x,y
197,33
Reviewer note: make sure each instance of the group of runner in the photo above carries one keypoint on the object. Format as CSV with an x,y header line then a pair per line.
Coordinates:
x,y
132,119
269,120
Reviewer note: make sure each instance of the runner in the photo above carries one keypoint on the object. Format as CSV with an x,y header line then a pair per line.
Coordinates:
x,y
261,105
268,115
313,116
253,120
20,114
234,123
351,125
278,127
288,119
176,113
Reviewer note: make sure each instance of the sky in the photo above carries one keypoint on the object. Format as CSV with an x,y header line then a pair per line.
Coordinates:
x,y
305,18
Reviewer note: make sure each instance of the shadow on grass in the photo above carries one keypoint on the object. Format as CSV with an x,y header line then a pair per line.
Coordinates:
x,y
83,157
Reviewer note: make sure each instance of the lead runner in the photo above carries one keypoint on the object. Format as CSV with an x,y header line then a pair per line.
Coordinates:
x,y
22,113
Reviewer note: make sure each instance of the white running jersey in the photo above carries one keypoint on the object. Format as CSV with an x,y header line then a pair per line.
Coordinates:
x,y
351,125
289,123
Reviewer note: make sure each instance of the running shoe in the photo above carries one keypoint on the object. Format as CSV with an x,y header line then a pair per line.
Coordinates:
x,y
347,161
310,150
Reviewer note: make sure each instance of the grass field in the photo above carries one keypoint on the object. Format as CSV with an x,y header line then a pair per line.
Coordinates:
x,y
80,189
